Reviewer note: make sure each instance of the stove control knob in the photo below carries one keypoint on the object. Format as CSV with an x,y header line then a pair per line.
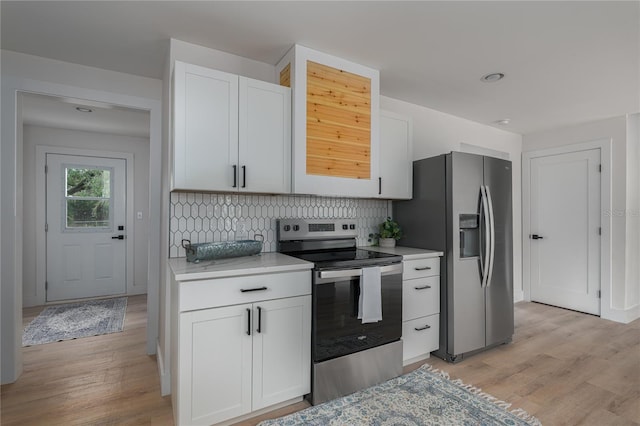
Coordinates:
x,y
352,226
296,227
345,227
287,227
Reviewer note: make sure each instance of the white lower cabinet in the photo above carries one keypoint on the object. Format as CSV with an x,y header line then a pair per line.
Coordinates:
x,y
420,308
235,354
239,359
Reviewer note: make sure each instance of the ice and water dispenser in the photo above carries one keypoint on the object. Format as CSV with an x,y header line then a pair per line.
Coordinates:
x,y
469,235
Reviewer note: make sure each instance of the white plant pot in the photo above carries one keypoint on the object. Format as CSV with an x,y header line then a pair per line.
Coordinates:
x,y
387,242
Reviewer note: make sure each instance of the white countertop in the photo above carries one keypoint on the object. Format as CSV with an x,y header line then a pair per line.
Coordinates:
x,y
407,253
263,263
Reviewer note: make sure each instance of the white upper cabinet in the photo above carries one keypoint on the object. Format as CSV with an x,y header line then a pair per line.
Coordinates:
x,y
205,128
396,156
231,133
335,124
265,137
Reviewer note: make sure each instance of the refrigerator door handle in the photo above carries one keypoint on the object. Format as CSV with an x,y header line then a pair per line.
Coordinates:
x,y
492,226
484,258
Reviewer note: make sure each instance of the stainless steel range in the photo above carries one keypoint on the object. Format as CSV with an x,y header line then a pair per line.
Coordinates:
x,y
357,306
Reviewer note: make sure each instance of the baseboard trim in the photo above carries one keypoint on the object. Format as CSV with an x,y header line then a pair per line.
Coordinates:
x,y
518,296
165,379
624,316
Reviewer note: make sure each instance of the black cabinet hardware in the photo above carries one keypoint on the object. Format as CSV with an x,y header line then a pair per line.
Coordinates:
x,y
246,290
535,237
244,176
424,287
422,328
235,174
259,330
423,268
248,322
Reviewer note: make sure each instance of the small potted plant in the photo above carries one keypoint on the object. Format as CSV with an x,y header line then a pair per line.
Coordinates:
x,y
389,232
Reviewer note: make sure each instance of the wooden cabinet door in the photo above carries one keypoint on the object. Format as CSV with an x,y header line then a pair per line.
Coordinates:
x,y
335,124
205,128
396,156
264,137
215,365
281,350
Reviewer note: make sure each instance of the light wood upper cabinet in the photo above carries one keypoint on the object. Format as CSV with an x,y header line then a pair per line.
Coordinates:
x,y
231,133
335,124
396,156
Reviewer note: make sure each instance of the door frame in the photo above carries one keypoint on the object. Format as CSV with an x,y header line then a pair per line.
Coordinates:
x,y
11,211
605,205
41,217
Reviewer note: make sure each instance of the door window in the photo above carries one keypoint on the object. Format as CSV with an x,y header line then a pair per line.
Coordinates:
x,y
87,198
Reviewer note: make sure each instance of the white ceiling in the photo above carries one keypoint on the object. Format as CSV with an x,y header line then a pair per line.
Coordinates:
x,y
565,62
49,111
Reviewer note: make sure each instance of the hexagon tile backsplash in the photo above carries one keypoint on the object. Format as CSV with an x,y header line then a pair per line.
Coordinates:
x,y
204,218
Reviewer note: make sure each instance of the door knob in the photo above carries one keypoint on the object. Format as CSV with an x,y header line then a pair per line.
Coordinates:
x,y
535,237
118,237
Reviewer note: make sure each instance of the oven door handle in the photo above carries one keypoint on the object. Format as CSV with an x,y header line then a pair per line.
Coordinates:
x,y
346,273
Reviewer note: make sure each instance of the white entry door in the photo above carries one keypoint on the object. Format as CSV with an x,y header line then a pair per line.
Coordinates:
x,y
86,209
565,230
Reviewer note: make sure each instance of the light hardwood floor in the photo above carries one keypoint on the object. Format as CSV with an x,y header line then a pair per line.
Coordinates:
x,y
564,367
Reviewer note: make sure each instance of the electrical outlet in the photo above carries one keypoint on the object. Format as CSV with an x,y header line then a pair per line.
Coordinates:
x,y
242,233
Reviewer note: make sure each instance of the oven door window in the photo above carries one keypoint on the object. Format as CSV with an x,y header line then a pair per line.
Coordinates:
x,y
337,331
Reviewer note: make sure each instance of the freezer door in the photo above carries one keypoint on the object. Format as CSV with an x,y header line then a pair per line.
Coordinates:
x,y
466,297
499,289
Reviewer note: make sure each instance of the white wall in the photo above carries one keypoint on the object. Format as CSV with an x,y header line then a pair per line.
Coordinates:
x,y
436,133
614,129
139,147
22,72
632,214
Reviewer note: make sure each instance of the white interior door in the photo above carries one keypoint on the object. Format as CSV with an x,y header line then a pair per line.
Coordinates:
x,y
86,212
565,230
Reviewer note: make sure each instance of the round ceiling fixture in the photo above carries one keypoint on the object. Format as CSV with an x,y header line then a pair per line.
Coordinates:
x,y
84,109
503,122
492,77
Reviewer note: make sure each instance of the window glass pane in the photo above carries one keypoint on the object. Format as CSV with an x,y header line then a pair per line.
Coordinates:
x,y
87,213
88,183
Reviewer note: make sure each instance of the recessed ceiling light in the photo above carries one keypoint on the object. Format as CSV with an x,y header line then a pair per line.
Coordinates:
x,y
493,77
503,122
84,109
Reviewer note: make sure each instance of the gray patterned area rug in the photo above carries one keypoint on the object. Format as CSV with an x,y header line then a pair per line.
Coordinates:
x,y
423,397
76,320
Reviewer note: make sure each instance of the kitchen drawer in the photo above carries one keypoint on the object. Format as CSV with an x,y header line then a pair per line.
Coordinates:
x,y
213,293
420,297
421,268
420,336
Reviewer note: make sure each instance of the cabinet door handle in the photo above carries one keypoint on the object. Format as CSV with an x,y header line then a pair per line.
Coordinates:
x,y
423,268
246,290
248,322
379,185
424,287
259,330
244,176
422,328
235,180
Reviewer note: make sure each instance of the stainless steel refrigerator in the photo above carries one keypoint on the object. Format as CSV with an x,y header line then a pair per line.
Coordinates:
x,y
462,206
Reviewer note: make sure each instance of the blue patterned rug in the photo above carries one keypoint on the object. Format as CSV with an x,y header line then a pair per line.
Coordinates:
x,y
423,397
75,320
